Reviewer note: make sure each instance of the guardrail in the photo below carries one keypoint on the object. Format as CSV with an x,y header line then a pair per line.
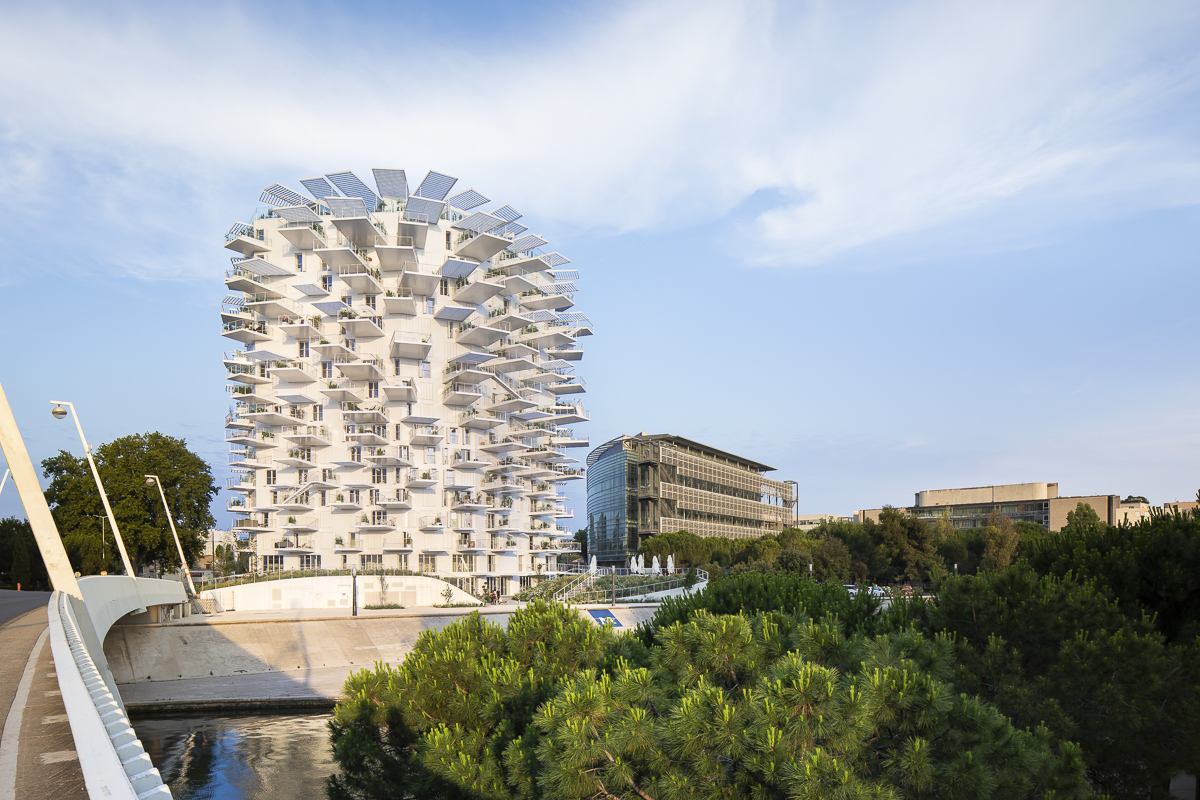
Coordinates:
x,y
591,587
111,757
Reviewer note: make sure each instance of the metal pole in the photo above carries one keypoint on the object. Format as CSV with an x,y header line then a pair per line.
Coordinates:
x,y
112,520
7,472
353,590
187,573
45,532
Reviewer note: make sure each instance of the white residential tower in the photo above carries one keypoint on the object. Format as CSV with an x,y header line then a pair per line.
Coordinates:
x,y
406,382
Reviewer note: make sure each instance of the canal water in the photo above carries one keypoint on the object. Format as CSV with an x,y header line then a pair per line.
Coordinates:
x,y
250,757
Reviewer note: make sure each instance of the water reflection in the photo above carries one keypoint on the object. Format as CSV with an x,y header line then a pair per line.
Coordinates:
x,y
231,758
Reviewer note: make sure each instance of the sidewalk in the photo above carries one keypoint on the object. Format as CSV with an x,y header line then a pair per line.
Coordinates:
x,y
37,757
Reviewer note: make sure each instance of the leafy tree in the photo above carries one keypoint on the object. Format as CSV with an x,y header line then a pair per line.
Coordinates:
x,y
905,548
793,561
123,463
831,560
16,534
1057,651
1152,565
773,704
581,536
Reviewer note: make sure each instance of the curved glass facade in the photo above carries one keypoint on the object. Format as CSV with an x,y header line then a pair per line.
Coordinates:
x,y
612,503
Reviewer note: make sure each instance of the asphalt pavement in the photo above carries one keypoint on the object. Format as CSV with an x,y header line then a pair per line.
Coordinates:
x,y
13,603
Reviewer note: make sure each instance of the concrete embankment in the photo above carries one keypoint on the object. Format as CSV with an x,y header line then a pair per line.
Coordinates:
x,y
274,659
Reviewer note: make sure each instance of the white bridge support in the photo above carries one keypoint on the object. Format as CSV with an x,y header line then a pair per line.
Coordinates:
x,y
113,762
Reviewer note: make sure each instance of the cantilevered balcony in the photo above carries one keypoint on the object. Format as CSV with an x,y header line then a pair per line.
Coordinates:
x,y
296,457
510,403
431,523
396,253
359,226
367,368
341,391
345,502
251,395
402,545
569,413
461,394
293,371
420,478
339,253
376,522
399,300
348,545
268,415
478,420
409,345
294,524
245,373
568,352
478,335
388,456
465,501
426,435
373,414
575,385
361,278
367,435
465,459
543,336
307,435
568,439
479,246
474,293
304,235
463,372
360,325
504,446
247,240
271,304
541,301
240,279
252,526
400,390
246,332
396,500
422,283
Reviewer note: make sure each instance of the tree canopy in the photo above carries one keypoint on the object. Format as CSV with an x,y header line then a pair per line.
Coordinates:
x,y
123,463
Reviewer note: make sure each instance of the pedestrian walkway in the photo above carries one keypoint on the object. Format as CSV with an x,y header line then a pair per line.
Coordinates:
x,y
37,753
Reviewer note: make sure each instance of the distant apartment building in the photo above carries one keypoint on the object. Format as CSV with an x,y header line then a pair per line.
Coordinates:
x,y
643,485
405,386
1038,503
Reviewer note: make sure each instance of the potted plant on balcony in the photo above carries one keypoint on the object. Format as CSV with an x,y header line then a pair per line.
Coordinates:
x,y
291,521
337,540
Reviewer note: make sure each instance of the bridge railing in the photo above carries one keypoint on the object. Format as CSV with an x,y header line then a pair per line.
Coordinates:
x,y
111,757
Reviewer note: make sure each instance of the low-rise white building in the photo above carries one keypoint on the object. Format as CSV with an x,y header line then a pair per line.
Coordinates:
x,y
405,385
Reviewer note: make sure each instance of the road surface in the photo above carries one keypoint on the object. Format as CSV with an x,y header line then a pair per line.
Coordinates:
x,y
13,604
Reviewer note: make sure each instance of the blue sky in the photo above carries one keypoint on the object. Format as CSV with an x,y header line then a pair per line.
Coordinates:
x,y
883,249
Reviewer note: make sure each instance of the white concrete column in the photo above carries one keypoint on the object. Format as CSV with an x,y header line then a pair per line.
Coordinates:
x,y
45,532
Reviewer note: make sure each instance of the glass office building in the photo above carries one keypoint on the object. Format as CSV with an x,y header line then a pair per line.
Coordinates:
x,y
639,486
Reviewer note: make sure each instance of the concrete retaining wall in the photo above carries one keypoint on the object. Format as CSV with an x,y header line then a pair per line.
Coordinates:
x,y
333,591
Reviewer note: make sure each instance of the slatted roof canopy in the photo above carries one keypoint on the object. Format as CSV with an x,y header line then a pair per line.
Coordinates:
x,y
331,307
318,187
465,201
457,268
557,363
472,357
240,229
296,399
347,206
435,186
512,229
311,289
391,183
234,300
556,259
453,313
264,355
530,242
507,213
574,316
479,222
542,316
349,184
419,209
259,267
298,214
565,274
279,195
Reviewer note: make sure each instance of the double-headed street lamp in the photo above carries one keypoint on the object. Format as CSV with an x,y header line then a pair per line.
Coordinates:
x,y
152,480
59,413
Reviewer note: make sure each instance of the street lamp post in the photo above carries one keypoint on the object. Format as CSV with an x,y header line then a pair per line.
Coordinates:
x,y
152,480
103,555
59,412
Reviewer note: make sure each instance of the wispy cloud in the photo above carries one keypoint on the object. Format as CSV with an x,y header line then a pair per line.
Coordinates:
x,y
868,125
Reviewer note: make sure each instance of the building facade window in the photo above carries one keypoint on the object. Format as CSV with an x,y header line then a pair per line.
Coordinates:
x,y
378,475
424,367
326,369
299,262
318,413
369,560
303,348
270,479
372,389
327,282
426,563
310,561
272,563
